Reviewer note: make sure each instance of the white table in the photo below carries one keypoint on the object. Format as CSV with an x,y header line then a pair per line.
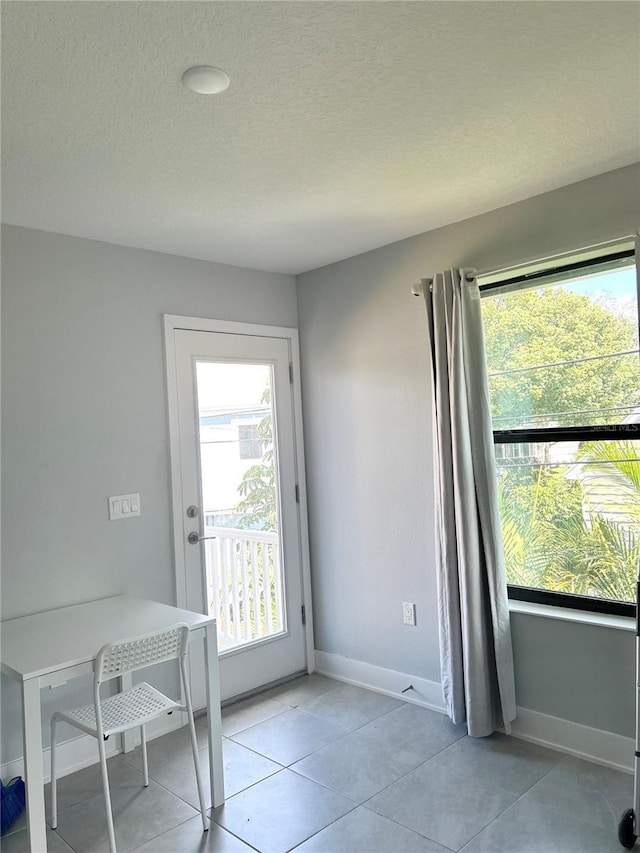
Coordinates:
x,y
47,649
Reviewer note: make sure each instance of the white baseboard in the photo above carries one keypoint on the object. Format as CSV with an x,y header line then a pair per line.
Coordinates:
x,y
82,751
603,747
382,680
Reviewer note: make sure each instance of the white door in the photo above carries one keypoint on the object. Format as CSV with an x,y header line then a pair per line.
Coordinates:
x,y
236,509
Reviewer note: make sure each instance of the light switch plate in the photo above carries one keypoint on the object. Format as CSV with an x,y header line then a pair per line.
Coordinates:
x,y
119,503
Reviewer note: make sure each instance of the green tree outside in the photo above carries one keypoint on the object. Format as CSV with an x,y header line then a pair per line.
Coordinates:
x,y
552,326
559,531
257,510
257,489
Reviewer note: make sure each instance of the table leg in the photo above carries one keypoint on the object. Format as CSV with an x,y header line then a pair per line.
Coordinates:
x,y
34,777
214,722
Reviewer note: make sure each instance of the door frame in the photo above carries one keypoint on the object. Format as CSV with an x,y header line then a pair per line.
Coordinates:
x,y
172,322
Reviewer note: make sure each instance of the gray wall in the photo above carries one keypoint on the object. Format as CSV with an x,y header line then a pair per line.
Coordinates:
x,y
84,415
366,390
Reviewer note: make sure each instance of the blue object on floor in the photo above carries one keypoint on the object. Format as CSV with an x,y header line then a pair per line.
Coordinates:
x,y
11,802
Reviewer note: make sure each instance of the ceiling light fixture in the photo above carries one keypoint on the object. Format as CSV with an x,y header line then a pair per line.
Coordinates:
x,y
205,79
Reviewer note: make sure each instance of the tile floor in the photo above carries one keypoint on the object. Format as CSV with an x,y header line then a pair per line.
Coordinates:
x,y
316,765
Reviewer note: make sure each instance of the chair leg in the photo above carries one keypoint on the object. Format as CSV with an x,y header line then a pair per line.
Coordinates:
x,y
145,762
107,796
54,781
194,745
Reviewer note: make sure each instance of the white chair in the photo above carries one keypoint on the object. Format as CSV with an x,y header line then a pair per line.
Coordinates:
x,y
130,709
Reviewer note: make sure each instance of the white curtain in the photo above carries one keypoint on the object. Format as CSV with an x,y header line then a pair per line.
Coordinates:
x,y
475,638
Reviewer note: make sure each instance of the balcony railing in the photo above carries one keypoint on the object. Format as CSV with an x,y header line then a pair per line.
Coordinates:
x,y
244,584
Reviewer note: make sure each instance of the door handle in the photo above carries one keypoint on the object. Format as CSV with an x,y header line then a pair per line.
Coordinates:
x,y
194,537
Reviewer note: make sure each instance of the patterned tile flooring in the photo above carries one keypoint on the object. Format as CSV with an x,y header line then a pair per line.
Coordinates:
x,y
317,765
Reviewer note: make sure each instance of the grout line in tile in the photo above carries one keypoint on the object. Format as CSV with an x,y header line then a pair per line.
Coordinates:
x,y
397,823
326,787
100,797
566,812
497,784
14,828
520,797
60,838
313,834
510,806
340,793
492,821
360,726
149,840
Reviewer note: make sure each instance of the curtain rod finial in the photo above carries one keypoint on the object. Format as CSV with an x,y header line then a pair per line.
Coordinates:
x,y
417,290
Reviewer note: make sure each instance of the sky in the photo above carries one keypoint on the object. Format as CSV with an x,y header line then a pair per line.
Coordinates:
x,y
619,283
227,386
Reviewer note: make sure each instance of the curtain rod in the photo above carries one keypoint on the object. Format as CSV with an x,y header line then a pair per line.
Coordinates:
x,y
471,274
419,289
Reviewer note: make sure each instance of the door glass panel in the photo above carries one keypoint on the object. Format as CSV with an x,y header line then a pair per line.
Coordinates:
x,y
239,474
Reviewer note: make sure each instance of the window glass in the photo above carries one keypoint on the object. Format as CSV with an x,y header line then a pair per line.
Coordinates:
x,y
250,446
564,382
564,354
571,515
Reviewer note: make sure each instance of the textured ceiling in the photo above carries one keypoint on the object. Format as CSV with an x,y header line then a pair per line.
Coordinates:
x,y
347,125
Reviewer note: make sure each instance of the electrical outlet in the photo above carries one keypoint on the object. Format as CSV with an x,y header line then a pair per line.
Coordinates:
x,y
408,613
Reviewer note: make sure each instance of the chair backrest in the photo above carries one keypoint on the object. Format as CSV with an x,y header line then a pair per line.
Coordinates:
x,y
125,656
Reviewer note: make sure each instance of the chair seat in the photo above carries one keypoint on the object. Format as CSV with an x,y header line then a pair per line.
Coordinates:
x,y
126,710
131,708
